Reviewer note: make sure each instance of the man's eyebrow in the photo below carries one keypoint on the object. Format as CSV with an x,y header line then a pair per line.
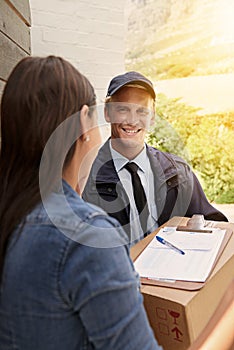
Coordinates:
x,y
122,104
142,108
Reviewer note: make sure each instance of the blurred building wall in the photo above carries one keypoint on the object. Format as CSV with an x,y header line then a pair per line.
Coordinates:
x,y
89,33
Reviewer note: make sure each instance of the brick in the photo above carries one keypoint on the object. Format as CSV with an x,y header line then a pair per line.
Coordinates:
x,y
55,6
65,36
107,3
107,27
42,49
49,19
105,41
106,14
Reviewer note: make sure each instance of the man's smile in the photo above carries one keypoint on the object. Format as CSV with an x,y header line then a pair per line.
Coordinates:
x,y
130,131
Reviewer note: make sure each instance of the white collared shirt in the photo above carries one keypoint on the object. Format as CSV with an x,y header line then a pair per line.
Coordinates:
x,y
147,179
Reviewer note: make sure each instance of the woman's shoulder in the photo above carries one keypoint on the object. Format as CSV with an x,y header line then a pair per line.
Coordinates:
x,y
67,213
92,226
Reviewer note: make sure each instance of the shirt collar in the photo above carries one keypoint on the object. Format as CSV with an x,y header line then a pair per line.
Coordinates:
x,y
120,161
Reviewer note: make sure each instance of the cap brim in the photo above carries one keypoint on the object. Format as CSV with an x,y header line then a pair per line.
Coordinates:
x,y
139,82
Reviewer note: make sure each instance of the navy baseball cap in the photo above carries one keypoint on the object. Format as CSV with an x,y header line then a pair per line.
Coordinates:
x,y
130,78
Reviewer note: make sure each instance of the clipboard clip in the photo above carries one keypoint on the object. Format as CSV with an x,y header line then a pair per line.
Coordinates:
x,y
195,224
190,229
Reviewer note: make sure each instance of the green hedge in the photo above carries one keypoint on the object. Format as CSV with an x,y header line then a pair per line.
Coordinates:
x,y
205,141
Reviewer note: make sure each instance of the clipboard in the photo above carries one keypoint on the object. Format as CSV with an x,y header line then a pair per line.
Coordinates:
x,y
186,285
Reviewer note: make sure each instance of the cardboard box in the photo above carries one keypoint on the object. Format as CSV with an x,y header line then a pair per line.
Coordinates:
x,y
178,316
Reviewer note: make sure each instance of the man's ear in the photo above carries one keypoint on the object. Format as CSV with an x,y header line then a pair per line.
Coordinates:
x,y
152,119
106,114
153,115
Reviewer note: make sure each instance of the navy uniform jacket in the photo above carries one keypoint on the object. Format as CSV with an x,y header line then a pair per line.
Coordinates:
x,y
177,189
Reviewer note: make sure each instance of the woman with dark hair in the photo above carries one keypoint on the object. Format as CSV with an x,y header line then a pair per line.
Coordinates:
x,y
67,281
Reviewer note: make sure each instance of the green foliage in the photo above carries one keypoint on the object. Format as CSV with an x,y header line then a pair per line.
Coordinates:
x,y
165,138
226,197
206,141
174,124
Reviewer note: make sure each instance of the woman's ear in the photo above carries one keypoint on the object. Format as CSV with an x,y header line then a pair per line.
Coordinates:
x,y
85,120
89,129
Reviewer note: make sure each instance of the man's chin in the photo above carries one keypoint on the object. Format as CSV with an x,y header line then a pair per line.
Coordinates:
x,y
127,142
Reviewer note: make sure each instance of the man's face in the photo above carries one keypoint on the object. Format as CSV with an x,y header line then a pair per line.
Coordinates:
x,y
130,115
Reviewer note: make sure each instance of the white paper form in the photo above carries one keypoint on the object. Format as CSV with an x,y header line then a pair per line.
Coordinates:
x,y
158,261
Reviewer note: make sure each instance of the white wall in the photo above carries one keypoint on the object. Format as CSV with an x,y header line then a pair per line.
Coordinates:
x,y
88,33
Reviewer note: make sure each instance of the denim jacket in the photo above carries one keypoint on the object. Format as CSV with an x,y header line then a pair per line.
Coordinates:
x,y
69,284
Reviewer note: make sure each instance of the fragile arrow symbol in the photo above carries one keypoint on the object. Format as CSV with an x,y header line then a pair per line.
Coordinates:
x,y
178,333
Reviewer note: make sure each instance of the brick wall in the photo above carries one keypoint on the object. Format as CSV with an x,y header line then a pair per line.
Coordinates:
x,y
89,33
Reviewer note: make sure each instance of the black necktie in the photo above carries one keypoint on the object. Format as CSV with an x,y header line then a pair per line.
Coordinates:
x,y
139,195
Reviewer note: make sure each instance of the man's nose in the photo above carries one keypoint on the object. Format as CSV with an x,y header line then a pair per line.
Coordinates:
x,y
132,117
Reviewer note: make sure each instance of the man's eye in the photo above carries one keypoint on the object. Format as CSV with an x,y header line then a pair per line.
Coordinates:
x,y
122,109
143,112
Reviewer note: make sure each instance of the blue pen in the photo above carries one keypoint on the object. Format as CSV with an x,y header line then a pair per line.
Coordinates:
x,y
168,244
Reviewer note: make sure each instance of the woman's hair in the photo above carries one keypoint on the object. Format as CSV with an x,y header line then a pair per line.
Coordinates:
x,y
39,95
